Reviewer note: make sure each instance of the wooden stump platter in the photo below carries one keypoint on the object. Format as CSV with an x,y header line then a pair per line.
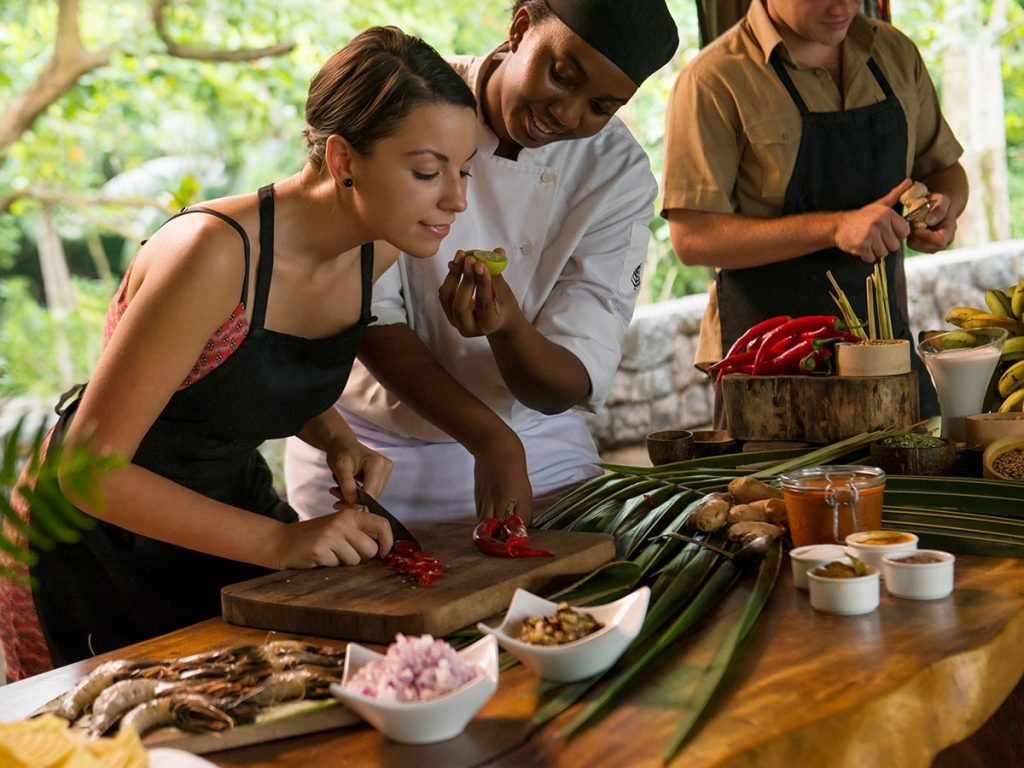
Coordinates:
x,y
817,409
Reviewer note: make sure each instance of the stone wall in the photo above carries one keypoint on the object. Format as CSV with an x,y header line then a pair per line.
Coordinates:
x,y
657,387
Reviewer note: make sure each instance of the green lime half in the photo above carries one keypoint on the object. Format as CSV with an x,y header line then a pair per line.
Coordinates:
x,y
494,261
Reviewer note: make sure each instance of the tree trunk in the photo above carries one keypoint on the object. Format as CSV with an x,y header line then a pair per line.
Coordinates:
x,y
98,255
57,287
972,90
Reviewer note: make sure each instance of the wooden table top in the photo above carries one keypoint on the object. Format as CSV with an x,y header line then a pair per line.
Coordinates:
x,y
893,687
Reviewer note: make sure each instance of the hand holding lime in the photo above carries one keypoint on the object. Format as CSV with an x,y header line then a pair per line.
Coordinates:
x,y
493,260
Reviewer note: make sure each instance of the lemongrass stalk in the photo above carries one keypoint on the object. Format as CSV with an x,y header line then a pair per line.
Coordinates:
x,y
882,294
826,454
869,289
846,309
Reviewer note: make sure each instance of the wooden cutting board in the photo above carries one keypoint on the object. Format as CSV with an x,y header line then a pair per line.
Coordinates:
x,y
370,603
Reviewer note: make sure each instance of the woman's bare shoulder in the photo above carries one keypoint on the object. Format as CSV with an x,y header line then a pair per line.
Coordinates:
x,y
201,243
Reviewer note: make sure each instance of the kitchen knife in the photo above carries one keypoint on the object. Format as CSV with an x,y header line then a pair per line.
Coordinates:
x,y
397,527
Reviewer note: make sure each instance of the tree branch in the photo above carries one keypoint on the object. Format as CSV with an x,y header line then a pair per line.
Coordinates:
x,y
79,201
210,54
69,62
71,59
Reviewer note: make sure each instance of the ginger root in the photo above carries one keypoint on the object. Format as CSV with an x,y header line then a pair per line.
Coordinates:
x,y
744,490
711,513
749,529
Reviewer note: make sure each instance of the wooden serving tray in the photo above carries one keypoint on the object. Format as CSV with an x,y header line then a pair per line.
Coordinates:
x,y
817,409
296,718
370,603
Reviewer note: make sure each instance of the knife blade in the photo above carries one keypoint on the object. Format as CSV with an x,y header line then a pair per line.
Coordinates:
x,y
397,526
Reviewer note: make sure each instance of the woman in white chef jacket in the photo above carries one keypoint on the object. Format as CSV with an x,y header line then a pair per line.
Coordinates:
x,y
472,385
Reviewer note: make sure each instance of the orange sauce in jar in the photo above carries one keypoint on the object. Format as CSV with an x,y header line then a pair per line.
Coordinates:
x,y
817,495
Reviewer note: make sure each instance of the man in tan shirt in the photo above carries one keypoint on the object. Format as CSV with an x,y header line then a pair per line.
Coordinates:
x,y
789,141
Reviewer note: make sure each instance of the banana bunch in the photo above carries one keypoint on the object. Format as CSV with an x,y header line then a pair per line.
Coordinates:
x,y
1005,310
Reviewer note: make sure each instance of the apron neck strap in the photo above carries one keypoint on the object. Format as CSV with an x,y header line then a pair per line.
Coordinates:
x,y
880,78
787,81
780,70
266,266
366,274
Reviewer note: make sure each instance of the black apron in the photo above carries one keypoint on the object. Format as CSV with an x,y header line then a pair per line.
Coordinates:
x,y
846,160
114,587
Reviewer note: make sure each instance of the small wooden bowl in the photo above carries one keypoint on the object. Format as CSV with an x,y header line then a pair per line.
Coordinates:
x,y
669,445
982,429
994,451
713,442
901,460
890,357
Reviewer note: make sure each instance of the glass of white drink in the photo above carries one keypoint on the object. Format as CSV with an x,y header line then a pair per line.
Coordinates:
x,y
961,364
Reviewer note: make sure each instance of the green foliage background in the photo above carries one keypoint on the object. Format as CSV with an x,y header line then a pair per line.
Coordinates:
x,y
183,130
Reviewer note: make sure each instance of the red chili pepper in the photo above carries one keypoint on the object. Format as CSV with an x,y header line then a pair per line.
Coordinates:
x,y
507,537
738,368
755,332
790,329
733,360
485,536
529,552
817,333
787,361
512,525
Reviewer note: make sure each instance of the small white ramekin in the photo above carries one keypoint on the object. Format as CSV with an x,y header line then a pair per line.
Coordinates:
x,y
872,554
919,581
847,597
803,559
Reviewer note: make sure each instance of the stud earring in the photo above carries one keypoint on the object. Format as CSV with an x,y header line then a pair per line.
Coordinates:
x,y
348,182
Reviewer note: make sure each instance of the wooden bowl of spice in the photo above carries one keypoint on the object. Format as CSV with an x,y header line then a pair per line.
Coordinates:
x,y
1004,459
914,453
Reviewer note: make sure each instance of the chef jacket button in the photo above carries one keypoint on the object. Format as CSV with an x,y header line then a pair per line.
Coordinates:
x,y
547,177
527,249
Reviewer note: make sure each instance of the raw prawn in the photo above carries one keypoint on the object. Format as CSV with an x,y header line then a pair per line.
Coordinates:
x,y
188,712
120,697
76,700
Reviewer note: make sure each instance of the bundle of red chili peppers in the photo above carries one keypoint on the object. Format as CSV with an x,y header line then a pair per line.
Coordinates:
x,y
408,559
785,345
506,537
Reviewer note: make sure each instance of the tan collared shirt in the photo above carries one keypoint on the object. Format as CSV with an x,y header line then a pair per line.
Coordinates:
x,y
733,130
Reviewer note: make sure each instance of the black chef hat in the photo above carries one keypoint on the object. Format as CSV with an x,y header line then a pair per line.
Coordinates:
x,y
638,36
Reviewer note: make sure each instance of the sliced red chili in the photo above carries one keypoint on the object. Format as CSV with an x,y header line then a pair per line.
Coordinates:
x,y
409,560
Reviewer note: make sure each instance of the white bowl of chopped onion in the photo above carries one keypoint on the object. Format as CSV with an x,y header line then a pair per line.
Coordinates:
x,y
576,659
421,691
